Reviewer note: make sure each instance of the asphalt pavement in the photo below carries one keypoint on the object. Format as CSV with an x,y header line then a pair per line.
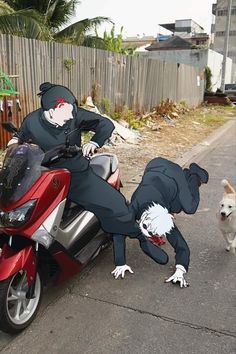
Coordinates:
x,y
95,314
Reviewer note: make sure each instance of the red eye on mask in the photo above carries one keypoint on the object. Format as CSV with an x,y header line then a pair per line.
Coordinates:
x,y
60,102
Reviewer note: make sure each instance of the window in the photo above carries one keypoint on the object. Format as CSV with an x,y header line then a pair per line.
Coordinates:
x,y
220,34
222,12
231,53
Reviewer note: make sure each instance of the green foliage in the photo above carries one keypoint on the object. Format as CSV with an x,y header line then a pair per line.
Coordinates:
x,y
77,32
94,42
6,86
45,19
114,42
199,46
123,113
49,20
130,117
211,119
22,22
183,104
69,62
130,51
86,137
107,106
96,88
208,76
55,12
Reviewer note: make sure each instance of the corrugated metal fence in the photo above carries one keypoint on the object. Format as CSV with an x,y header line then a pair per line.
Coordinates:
x,y
139,83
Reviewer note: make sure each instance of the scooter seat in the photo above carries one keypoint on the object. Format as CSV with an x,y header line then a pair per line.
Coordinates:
x,y
101,165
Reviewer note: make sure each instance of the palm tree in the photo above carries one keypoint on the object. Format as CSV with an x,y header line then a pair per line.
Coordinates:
x,y
48,20
21,23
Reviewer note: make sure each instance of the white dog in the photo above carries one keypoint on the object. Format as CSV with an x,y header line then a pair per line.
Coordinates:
x,y
227,216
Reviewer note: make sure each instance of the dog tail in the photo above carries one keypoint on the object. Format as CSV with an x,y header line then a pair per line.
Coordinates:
x,y
227,186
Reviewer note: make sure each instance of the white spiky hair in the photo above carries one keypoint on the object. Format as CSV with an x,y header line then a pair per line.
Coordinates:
x,y
157,220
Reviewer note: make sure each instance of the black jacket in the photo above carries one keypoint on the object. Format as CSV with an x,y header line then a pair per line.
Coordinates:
x,y
36,128
164,183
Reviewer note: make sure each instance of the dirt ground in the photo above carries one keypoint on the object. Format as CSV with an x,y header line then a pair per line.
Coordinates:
x,y
169,140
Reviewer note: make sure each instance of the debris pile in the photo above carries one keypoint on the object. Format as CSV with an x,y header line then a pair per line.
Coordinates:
x,y
217,98
122,132
168,111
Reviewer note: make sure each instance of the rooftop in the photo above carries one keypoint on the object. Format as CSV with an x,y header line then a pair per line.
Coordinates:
x,y
175,42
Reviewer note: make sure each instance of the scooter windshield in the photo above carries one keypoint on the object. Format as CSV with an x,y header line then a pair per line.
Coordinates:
x,y
21,168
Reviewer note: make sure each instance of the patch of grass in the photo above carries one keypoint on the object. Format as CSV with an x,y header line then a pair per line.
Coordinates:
x,y
211,119
222,108
122,113
130,117
107,106
86,137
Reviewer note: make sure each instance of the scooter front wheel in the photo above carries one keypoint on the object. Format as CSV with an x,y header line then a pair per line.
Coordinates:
x,y
16,311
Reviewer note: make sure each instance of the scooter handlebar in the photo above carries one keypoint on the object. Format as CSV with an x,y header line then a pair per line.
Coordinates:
x,y
59,152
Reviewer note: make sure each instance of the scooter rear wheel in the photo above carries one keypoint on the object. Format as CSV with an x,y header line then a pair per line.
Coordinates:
x,y
16,311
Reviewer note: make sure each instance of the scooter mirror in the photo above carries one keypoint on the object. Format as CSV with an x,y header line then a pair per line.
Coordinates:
x,y
10,127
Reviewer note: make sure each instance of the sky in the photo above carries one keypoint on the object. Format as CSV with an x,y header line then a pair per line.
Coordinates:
x,y
142,17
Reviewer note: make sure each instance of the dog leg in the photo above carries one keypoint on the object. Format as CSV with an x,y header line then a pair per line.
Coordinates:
x,y
228,242
233,245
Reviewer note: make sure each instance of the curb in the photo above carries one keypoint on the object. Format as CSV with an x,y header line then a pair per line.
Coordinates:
x,y
197,152
204,147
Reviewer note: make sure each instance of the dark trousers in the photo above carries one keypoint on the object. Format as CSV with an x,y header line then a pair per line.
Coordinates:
x,y
97,196
193,186
192,194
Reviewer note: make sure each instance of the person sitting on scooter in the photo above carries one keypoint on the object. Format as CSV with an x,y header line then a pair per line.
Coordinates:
x,y
48,128
165,189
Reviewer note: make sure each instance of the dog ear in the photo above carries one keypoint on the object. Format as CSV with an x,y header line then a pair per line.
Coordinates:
x,y
227,186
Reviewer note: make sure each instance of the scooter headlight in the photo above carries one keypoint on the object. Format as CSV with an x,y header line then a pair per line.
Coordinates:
x,y
17,217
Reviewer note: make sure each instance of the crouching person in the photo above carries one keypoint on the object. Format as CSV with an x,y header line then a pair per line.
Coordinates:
x,y
165,189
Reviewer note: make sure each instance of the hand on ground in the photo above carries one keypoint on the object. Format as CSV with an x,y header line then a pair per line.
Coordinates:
x,y
120,270
178,276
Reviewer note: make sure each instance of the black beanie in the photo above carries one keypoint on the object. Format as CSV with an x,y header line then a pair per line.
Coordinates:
x,y
52,95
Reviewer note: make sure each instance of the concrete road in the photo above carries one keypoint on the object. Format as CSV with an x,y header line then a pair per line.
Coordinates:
x,y
95,314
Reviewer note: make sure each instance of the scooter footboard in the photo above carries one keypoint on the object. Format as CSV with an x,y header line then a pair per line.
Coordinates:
x,y
12,261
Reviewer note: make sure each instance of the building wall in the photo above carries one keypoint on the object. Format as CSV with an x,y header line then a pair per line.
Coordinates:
x,y
195,57
220,26
214,61
188,25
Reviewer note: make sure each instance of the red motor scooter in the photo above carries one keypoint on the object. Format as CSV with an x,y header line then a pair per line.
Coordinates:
x,y
43,235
